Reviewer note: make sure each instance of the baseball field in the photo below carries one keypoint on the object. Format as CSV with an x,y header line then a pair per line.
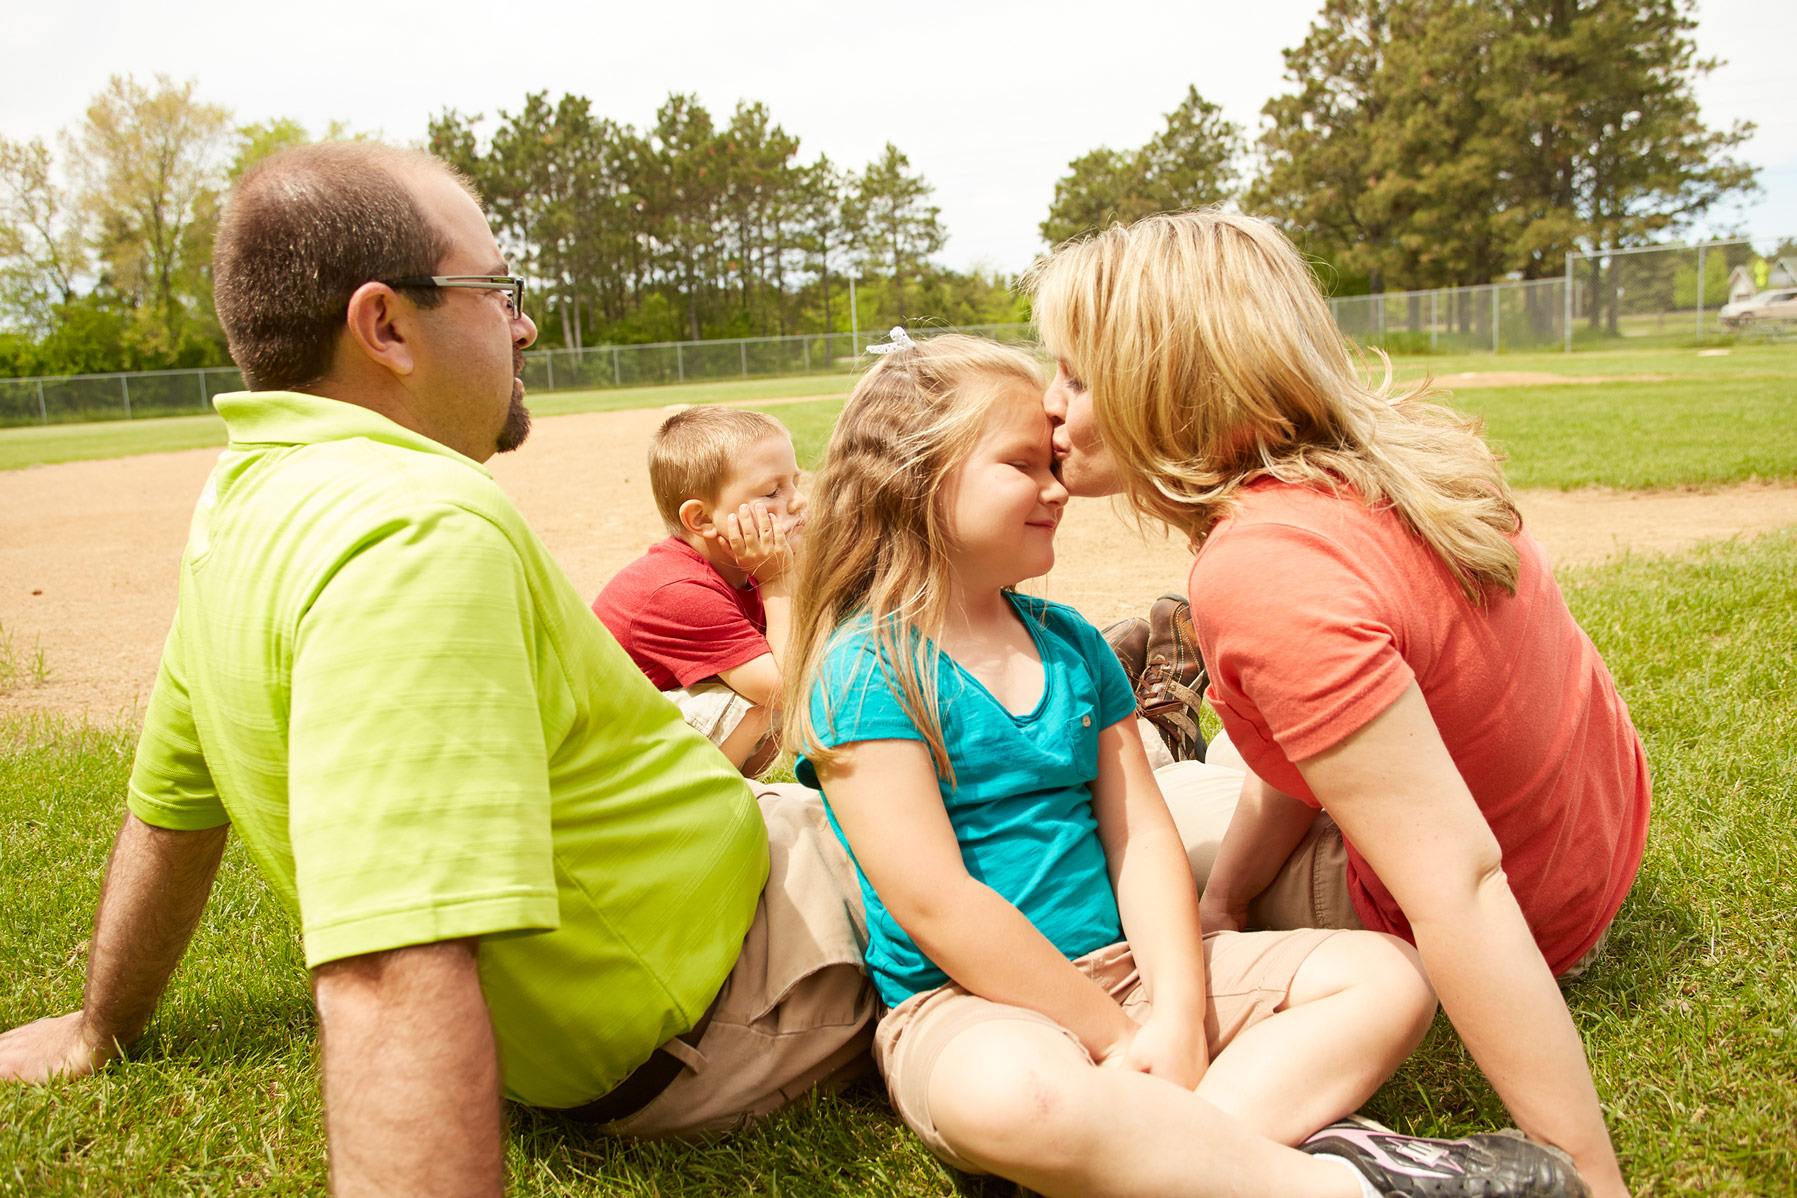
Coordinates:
x,y
1664,484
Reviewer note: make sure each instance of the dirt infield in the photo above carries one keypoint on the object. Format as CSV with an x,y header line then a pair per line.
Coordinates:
x,y
89,551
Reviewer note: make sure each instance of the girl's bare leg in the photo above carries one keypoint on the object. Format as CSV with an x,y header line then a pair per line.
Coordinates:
x,y
1024,1102
1358,1006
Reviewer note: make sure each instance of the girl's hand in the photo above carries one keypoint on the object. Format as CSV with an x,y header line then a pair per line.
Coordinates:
x,y
1167,1048
756,542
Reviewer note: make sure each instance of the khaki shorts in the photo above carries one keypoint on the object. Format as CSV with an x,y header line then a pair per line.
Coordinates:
x,y
710,708
797,1009
1311,888
1248,975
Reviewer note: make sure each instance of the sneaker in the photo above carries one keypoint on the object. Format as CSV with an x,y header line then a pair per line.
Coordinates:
x,y
1497,1165
1128,639
1173,678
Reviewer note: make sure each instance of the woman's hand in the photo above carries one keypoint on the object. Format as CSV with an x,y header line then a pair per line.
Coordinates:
x,y
1219,916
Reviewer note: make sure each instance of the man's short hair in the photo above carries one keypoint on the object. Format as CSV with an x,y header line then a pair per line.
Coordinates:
x,y
693,454
301,231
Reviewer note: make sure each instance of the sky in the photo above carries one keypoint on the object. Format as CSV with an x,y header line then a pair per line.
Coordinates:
x,y
990,100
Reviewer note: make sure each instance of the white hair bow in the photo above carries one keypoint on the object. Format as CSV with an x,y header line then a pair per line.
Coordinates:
x,y
900,340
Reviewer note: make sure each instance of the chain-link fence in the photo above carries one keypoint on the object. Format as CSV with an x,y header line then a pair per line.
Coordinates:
x,y
71,399
609,366
1671,295
1621,299
1492,318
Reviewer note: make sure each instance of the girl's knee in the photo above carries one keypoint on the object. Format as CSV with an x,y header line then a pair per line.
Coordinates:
x,y
1376,965
1003,1093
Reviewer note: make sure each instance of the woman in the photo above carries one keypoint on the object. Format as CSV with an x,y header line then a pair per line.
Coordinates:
x,y
1385,643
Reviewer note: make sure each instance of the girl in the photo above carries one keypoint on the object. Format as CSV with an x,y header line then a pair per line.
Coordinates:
x,y
1385,642
978,753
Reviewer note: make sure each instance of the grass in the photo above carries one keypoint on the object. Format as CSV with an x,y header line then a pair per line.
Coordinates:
x,y
1709,421
1691,1019
20,667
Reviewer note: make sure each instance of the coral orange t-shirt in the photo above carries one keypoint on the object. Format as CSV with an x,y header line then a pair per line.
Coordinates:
x,y
1314,612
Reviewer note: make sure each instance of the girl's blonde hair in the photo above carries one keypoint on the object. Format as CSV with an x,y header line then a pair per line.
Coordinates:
x,y
1212,361
875,548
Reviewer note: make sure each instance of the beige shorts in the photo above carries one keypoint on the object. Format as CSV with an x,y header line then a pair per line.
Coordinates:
x,y
797,1010
1248,975
710,708
1311,888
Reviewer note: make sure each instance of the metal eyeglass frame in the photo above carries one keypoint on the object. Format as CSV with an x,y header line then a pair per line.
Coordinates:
x,y
513,284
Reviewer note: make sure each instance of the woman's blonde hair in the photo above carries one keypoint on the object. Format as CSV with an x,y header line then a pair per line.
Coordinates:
x,y
1212,361
875,546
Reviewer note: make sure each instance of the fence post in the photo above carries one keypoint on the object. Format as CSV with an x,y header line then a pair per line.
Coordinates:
x,y
125,389
201,375
43,416
743,348
806,346
679,361
1494,318
1568,304
1432,298
617,380
549,363
1700,292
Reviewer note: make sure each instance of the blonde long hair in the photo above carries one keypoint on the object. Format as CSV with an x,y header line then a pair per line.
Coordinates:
x,y
875,547
1213,361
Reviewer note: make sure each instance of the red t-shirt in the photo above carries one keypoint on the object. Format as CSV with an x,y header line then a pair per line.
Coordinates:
x,y
1315,612
677,617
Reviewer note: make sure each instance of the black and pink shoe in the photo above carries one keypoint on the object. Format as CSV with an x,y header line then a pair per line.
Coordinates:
x,y
1496,1165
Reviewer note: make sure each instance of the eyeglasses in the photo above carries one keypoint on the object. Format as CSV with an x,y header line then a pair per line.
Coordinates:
x,y
512,285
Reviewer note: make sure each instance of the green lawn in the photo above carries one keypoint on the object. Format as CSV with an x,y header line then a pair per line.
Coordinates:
x,y
1691,1020
1710,421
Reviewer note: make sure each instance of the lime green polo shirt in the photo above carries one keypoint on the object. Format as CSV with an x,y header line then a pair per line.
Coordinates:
x,y
381,679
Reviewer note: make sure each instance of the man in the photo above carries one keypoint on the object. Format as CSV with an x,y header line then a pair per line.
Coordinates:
x,y
513,864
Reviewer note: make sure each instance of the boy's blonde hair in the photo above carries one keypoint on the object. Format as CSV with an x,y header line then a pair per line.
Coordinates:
x,y
693,453
875,547
1212,360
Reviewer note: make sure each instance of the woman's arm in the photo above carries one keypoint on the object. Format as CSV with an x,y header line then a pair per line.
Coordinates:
x,y
1158,903
1399,797
883,794
1266,827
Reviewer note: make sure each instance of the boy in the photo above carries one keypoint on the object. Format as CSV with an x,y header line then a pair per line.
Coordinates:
x,y
705,612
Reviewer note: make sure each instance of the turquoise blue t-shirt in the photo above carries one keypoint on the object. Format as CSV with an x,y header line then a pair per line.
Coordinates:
x,y
1022,806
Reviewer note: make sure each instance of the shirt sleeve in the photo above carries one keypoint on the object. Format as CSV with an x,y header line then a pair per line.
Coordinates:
x,y
171,786
1300,635
696,631
419,805
852,699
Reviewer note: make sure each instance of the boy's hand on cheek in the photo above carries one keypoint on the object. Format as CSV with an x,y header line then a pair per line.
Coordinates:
x,y
756,542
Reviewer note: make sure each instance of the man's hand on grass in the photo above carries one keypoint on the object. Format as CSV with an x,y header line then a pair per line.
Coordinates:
x,y
57,1046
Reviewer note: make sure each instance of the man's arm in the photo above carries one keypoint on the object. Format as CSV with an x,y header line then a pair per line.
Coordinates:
x,y
156,887
411,1073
